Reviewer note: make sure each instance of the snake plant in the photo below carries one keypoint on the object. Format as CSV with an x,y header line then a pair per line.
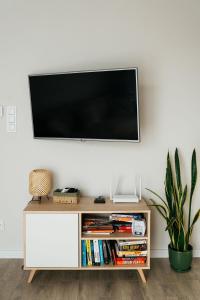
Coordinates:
x,y
179,226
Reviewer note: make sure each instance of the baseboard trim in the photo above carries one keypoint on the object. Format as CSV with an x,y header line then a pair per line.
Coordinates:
x,y
11,254
159,253
164,253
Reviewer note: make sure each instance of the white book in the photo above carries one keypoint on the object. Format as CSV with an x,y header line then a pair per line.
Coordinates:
x,y
128,243
96,252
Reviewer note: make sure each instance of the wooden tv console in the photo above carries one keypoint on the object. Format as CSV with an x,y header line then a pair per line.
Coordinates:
x,y
53,234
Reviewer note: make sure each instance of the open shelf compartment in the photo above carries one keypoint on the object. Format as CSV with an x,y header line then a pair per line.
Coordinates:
x,y
115,236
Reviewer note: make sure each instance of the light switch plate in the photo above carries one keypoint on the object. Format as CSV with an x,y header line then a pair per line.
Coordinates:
x,y
11,115
11,118
11,127
11,110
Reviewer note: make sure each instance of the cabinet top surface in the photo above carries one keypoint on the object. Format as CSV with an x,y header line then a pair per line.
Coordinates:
x,y
86,205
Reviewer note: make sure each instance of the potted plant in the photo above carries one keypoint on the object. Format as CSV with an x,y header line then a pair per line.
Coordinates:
x,y
178,224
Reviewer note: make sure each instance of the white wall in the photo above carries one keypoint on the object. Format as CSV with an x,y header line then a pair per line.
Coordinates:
x,y
161,37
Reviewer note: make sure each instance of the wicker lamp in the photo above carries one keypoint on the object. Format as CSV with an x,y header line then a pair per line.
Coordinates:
x,y
40,183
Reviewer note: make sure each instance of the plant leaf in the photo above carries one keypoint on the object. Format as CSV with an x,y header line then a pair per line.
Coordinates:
x,y
158,197
178,172
160,208
193,173
184,195
169,184
170,223
193,183
176,236
181,239
196,217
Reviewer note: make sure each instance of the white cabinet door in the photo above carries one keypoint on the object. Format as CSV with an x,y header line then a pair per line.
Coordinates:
x,y
51,240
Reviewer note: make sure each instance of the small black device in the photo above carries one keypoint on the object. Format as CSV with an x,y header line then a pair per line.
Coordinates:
x,y
99,199
67,190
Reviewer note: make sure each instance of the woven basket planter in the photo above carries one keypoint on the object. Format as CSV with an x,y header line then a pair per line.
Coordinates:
x,y
40,182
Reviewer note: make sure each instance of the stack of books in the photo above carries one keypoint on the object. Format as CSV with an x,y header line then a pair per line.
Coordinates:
x,y
130,252
102,252
123,223
97,225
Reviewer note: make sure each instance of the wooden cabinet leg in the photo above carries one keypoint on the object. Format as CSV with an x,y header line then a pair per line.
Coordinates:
x,y
142,276
31,275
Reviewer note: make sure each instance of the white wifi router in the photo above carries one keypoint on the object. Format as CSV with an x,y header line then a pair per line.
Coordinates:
x,y
124,198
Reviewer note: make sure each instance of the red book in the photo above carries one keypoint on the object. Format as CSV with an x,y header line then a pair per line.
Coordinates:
x,y
124,230
131,261
125,227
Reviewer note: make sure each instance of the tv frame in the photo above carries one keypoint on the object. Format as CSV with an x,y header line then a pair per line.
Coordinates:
x,y
90,139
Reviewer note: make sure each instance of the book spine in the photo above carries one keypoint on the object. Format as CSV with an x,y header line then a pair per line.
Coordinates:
x,y
131,253
137,242
129,262
92,252
124,230
96,253
89,253
109,251
101,252
122,219
124,227
84,255
133,247
105,253
114,257
98,232
137,260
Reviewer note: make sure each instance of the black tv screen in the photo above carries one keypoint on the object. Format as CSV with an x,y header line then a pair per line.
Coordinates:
x,y
100,105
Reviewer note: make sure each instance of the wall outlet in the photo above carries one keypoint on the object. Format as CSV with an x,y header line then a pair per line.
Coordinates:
x,y
2,225
1,111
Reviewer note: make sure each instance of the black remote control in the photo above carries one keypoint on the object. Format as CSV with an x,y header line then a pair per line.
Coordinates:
x,y
99,199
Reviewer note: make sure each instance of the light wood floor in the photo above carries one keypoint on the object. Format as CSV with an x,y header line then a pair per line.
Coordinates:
x,y
163,283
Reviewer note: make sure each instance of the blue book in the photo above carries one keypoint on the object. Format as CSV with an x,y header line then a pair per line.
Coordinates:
x,y
84,254
101,252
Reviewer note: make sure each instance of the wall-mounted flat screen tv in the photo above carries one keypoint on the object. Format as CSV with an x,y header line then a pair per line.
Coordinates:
x,y
90,105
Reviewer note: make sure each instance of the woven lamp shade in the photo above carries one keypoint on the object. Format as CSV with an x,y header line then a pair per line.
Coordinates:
x,y
40,182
